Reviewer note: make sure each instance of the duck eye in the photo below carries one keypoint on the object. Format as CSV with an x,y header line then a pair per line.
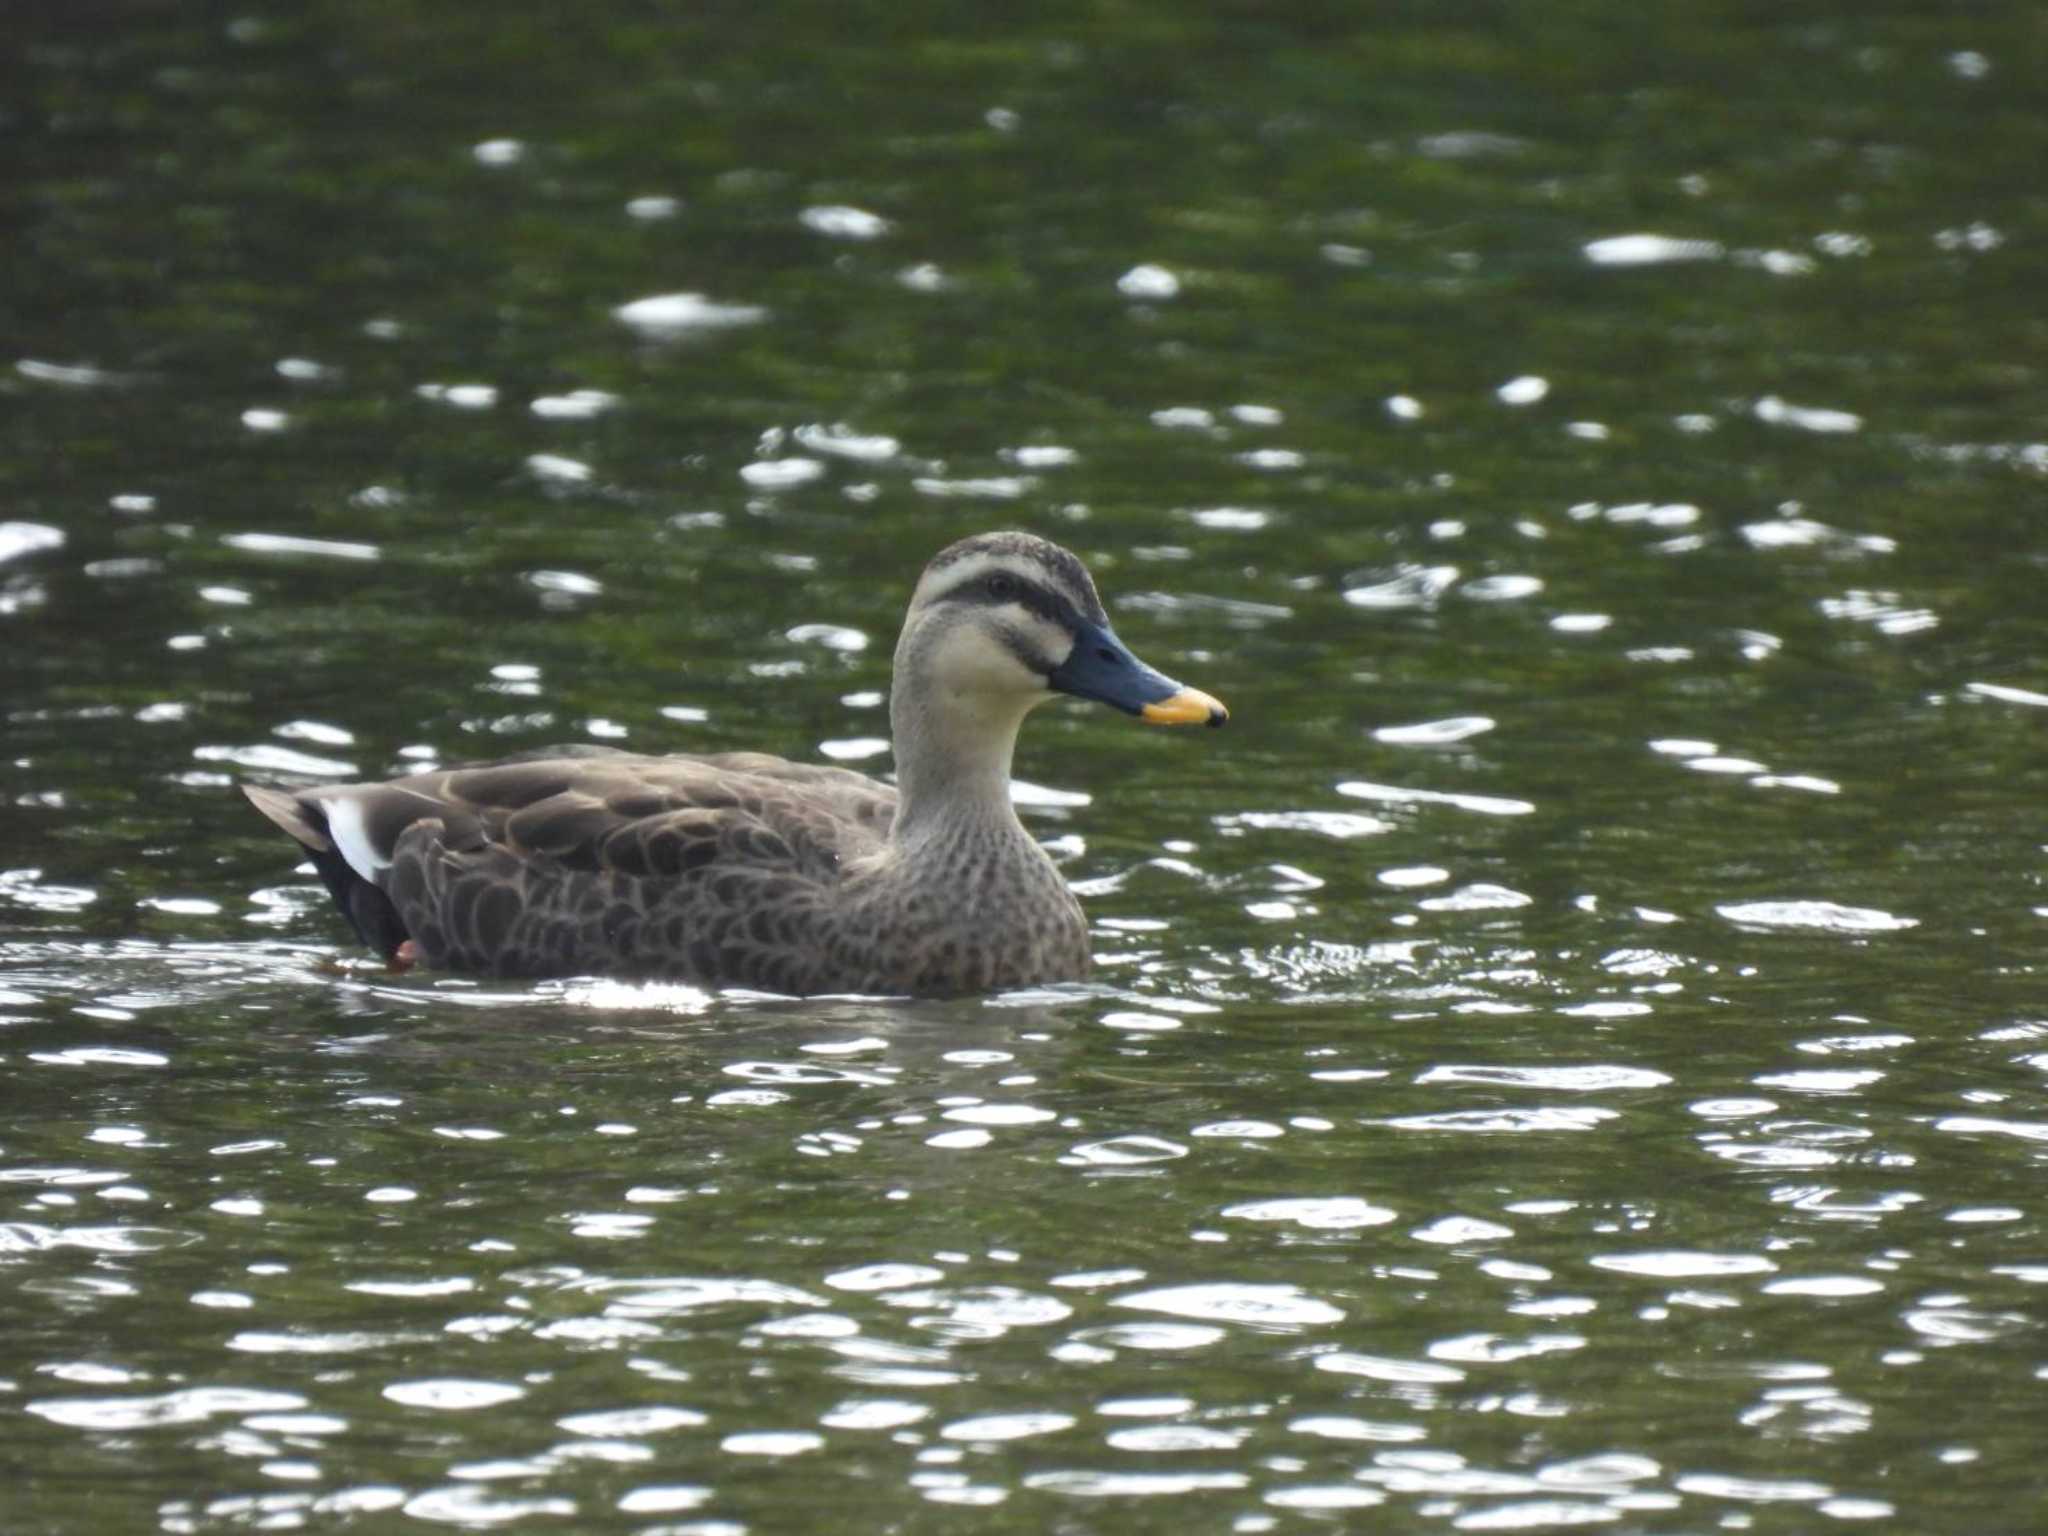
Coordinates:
x,y
1002,586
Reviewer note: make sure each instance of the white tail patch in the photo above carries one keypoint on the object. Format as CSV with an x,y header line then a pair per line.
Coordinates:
x,y
345,825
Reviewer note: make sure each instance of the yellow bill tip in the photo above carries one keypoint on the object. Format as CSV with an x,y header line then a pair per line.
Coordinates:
x,y
1190,706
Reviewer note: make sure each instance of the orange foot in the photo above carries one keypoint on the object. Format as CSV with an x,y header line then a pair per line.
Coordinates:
x,y
405,957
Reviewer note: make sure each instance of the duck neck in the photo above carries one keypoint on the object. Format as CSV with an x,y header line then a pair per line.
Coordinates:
x,y
953,768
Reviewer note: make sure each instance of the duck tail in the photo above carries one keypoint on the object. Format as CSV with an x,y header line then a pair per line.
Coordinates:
x,y
292,815
368,909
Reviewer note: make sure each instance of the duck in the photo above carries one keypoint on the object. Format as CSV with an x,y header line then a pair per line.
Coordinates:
x,y
745,870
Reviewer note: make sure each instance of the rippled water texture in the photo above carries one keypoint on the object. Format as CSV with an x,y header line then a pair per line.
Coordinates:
x,y
1571,1053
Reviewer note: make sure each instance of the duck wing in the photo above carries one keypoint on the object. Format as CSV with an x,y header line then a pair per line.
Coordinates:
x,y
717,869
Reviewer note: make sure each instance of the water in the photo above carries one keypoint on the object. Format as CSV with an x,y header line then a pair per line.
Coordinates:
x,y
1570,1053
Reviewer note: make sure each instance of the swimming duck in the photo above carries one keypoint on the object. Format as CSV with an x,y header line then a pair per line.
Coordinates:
x,y
742,869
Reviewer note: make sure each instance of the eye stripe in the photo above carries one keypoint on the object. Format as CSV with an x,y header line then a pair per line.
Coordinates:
x,y
1024,650
1022,556
1032,597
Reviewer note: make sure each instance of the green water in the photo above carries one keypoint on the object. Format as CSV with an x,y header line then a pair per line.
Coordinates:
x,y
1571,1053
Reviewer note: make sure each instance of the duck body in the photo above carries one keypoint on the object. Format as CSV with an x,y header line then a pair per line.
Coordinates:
x,y
736,869
743,869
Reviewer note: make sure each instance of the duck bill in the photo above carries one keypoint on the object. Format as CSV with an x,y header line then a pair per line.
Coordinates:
x,y
1101,667
1186,706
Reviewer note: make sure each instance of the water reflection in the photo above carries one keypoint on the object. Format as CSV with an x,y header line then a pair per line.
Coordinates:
x,y
876,1324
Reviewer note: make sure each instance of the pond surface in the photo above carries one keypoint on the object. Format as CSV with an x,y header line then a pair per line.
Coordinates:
x,y
1572,1053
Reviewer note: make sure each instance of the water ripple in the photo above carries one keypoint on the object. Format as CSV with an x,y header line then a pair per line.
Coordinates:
x,y
1680,1264
669,316
1814,916
1587,1079
1273,1308
653,1298
1409,586
1124,1152
1505,1120
1393,794
1387,1369
190,1405
1319,1213
1132,1485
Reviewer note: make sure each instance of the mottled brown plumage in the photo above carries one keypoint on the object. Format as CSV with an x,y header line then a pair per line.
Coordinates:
x,y
743,869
